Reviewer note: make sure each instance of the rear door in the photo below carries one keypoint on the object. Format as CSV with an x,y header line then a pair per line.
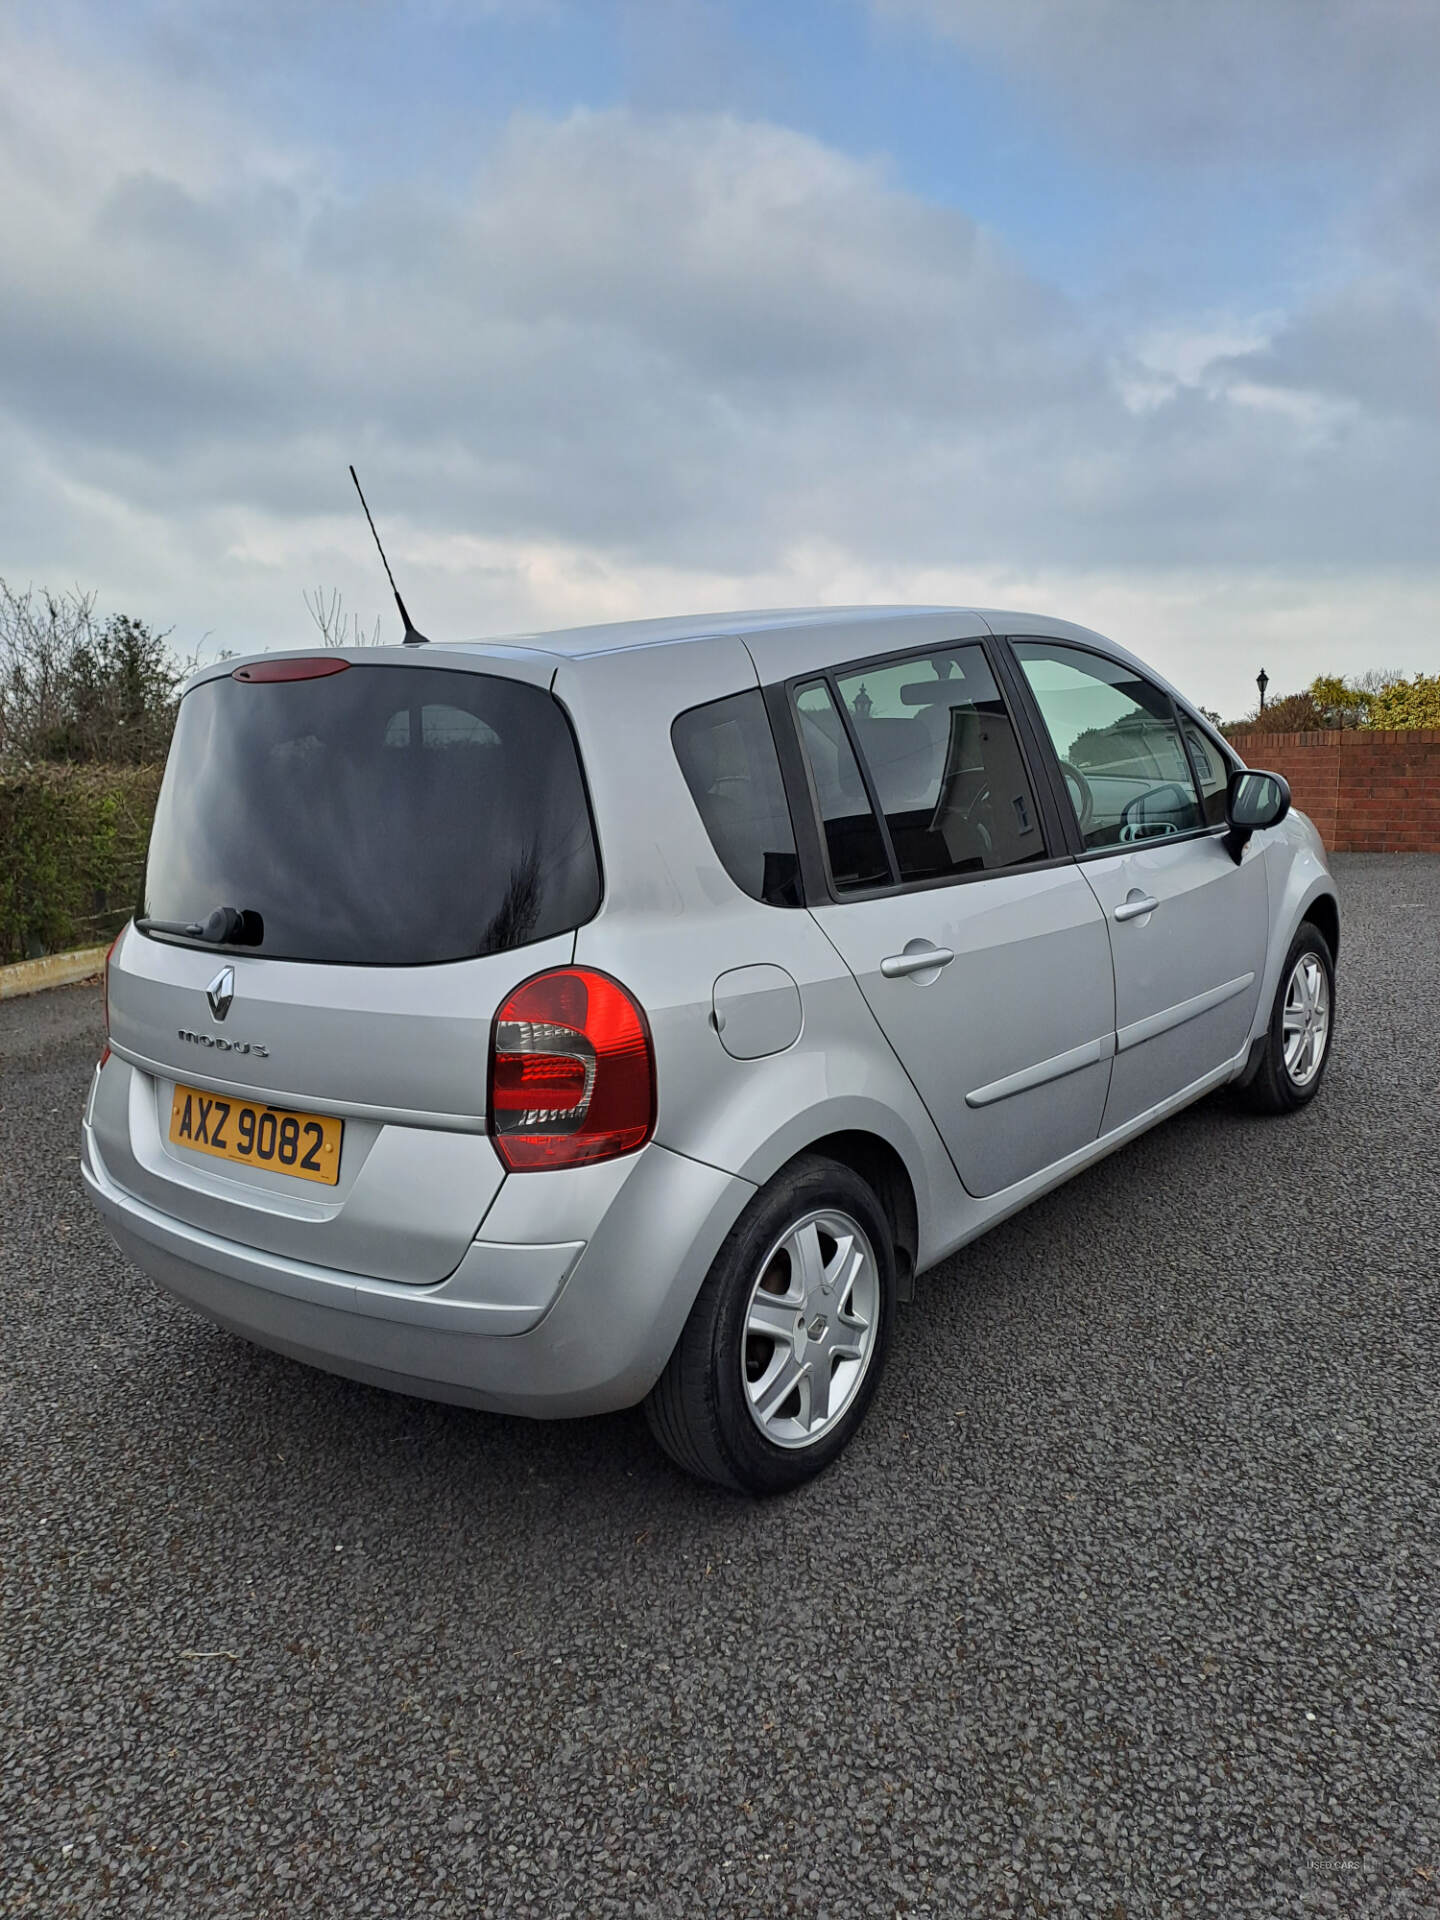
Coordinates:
x,y
406,844
1187,925
978,946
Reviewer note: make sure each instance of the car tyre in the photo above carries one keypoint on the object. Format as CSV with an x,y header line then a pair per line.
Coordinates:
x,y
784,1347
1301,1033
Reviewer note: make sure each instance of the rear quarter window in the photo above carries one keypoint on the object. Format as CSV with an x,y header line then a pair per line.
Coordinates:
x,y
727,755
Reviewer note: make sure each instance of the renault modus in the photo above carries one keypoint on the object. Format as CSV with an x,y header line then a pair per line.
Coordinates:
x,y
632,1013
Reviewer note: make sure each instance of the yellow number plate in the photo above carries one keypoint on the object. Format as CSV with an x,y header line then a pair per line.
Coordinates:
x,y
304,1144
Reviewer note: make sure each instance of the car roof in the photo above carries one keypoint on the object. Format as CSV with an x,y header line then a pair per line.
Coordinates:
x,y
815,634
616,635
782,642
785,642
621,635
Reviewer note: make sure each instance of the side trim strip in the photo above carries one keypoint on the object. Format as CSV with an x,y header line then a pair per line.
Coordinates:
x,y
1055,1068
1155,1024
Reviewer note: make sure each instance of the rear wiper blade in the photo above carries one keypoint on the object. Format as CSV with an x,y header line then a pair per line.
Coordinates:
x,y
226,927
191,930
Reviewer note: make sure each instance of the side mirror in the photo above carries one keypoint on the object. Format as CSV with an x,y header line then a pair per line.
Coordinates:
x,y
1253,801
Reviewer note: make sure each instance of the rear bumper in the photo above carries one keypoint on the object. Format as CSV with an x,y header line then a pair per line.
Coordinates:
x,y
549,1329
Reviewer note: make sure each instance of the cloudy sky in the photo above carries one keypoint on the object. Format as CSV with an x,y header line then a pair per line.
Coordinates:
x,y
1127,310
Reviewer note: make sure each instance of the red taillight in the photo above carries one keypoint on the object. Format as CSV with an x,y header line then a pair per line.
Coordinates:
x,y
572,1074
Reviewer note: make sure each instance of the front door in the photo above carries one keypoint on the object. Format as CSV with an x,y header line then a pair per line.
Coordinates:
x,y
983,957
1187,924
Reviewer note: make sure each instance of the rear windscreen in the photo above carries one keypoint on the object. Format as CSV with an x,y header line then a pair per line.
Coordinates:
x,y
391,816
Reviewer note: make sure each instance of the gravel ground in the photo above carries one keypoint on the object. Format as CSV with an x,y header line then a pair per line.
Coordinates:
x,y
1126,1601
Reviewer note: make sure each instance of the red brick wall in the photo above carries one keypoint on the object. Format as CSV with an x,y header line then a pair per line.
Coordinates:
x,y
1367,792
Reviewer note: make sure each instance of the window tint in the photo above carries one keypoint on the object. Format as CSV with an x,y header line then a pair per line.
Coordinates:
x,y
439,726
852,834
1212,769
1119,748
380,815
727,754
945,763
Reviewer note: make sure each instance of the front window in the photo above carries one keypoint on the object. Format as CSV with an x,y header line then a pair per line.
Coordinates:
x,y
1212,770
1121,757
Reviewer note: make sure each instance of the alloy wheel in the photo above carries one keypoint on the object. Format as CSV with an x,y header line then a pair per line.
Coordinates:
x,y
1305,1023
810,1328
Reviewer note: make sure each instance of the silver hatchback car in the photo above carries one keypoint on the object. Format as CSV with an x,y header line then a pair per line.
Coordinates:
x,y
631,1013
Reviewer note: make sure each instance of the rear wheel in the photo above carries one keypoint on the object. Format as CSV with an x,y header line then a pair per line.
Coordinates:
x,y
1302,1026
784,1345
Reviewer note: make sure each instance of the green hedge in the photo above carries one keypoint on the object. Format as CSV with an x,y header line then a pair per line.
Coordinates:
x,y
72,848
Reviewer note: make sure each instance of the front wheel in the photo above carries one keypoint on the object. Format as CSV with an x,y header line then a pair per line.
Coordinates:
x,y
1302,1026
784,1345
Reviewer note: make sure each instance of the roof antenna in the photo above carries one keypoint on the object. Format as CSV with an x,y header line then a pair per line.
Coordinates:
x,y
413,635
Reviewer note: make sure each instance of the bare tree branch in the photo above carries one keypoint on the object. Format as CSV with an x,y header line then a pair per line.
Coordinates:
x,y
337,627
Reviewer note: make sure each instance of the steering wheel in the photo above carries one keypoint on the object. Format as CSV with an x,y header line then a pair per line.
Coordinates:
x,y
1081,798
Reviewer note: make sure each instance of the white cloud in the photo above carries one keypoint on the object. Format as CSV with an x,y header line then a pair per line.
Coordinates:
x,y
637,363
1181,355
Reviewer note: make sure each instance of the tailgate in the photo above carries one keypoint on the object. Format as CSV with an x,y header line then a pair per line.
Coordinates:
x,y
398,1055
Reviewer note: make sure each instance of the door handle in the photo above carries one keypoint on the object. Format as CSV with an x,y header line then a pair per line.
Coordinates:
x,y
1136,906
916,959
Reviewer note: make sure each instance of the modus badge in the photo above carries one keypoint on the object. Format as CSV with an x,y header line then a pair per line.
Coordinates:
x,y
217,1045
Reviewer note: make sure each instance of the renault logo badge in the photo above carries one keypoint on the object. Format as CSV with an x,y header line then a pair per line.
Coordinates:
x,y
221,991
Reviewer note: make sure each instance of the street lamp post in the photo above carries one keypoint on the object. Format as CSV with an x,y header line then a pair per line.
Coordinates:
x,y
1262,680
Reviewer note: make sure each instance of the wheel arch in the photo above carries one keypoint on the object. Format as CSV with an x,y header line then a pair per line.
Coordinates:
x,y
1301,888
1324,912
882,1169
895,1150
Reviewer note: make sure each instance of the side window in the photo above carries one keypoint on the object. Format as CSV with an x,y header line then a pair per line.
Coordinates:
x,y
945,763
853,841
727,755
1119,748
1212,770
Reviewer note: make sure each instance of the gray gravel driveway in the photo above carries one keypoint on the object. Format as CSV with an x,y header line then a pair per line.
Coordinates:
x,y
1126,1601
